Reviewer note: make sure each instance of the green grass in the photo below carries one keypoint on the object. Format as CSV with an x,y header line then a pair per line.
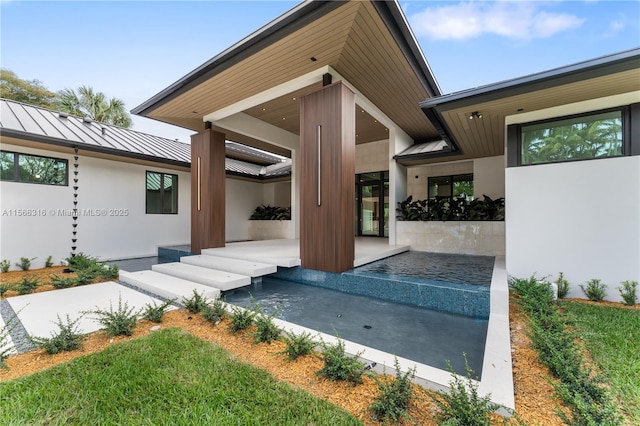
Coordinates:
x,y
612,336
167,378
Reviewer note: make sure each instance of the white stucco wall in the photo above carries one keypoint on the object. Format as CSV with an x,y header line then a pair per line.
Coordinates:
x,y
277,194
581,218
104,186
242,197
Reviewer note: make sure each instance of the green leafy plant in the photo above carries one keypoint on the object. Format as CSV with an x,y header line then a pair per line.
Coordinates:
x,y
80,261
214,313
241,319
266,331
87,275
154,312
195,303
25,263
263,212
68,338
27,285
563,286
121,321
393,396
109,272
340,366
594,290
49,262
628,292
4,287
298,345
462,405
5,265
63,282
457,208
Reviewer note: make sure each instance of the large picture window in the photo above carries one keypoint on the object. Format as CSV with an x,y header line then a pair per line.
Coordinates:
x,y
18,167
162,193
573,138
451,186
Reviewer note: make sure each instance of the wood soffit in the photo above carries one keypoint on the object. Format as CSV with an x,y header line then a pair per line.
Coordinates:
x,y
353,40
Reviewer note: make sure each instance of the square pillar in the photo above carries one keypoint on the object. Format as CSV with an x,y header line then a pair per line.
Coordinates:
x,y
327,170
207,190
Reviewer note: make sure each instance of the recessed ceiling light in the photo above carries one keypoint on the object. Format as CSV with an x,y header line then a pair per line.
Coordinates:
x,y
293,99
284,118
375,121
264,109
313,59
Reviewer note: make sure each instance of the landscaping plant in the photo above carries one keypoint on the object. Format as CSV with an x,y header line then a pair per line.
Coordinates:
x,y
214,313
271,213
25,263
68,338
581,390
122,321
340,366
49,262
628,292
241,319
462,405
27,285
63,282
393,396
195,303
266,331
5,265
155,312
298,345
563,286
4,287
594,290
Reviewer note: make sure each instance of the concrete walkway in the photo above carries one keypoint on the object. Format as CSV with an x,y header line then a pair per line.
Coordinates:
x,y
39,312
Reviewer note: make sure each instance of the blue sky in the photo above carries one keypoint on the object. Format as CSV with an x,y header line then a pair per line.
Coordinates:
x,y
133,50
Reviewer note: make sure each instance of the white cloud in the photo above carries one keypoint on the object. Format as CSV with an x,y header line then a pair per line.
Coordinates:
x,y
516,20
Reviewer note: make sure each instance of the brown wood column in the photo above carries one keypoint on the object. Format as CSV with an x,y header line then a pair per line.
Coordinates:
x,y
207,190
327,189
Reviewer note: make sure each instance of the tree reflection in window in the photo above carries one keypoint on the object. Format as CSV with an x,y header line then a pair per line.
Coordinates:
x,y
33,169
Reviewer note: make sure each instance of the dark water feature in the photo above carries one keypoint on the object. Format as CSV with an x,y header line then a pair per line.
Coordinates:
x,y
419,334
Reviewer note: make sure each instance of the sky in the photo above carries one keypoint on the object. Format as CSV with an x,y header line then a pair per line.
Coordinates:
x,y
133,50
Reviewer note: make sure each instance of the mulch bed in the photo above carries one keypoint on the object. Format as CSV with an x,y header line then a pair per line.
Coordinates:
x,y
535,400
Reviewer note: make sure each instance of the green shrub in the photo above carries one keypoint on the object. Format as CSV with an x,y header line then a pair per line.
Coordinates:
x,y
195,303
122,321
266,331
87,275
628,291
63,282
594,290
340,366
462,405
393,396
110,272
27,285
214,313
298,345
4,287
68,338
241,319
154,313
563,286
49,262
25,263
271,213
5,265
80,261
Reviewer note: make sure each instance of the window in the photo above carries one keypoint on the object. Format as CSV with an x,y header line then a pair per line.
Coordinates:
x,y
598,135
162,193
19,167
451,186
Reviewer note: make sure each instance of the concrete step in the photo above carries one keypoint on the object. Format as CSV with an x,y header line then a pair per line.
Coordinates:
x,y
237,266
219,279
167,286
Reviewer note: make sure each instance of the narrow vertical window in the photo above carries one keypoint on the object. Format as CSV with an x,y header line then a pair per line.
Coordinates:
x,y
161,193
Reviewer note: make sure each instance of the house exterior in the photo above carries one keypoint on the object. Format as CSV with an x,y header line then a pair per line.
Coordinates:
x,y
343,89
130,191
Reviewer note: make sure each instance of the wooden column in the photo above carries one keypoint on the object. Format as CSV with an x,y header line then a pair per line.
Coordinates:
x,y
207,190
327,190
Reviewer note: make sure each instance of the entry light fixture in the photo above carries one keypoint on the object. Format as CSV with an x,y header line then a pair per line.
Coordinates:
x,y
475,115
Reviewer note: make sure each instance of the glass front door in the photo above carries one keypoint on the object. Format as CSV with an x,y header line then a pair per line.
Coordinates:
x,y
372,204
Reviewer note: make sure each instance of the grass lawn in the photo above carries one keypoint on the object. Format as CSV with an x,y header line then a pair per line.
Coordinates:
x,y
612,336
169,377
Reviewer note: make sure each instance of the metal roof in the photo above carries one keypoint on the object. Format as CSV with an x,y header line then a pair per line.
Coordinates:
x,y
29,122
423,150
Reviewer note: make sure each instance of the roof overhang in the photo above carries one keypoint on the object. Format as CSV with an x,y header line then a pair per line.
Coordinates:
x,y
483,137
368,43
